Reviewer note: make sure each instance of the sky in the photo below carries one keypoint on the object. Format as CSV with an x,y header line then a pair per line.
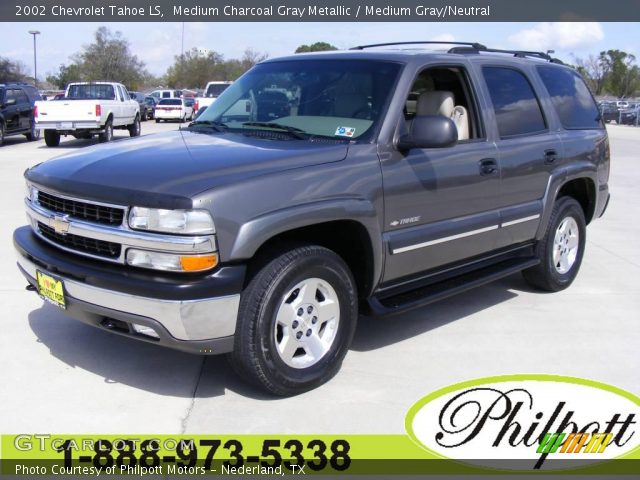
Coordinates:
x,y
157,43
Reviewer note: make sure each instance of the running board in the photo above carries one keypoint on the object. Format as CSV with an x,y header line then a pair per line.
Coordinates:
x,y
421,296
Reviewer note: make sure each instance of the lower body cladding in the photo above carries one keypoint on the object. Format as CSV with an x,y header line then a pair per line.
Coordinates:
x,y
195,314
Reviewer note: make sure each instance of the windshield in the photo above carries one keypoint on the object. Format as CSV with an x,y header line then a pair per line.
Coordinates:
x,y
90,92
333,98
215,89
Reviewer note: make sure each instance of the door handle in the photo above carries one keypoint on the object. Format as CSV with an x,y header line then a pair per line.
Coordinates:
x,y
550,156
488,166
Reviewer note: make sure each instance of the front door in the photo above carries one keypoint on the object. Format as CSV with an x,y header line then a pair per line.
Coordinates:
x,y
441,204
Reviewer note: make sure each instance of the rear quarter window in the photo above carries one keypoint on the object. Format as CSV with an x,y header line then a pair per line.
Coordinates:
x,y
571,98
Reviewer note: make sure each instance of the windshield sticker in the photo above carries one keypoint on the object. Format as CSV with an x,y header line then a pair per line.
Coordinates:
x,y
345,131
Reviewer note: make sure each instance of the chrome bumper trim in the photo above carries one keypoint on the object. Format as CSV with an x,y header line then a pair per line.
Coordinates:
x,y
201,319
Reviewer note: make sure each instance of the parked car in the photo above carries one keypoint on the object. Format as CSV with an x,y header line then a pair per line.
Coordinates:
x,y
145,111
629,116
160,94
151,103
173,109
212,92
610,112
17,102
265,239
88,109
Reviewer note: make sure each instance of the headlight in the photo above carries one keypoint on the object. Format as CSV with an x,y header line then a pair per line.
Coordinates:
x,y
171,262
30,192
186,222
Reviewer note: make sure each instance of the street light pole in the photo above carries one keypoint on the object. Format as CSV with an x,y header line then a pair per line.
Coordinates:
x,y
35,61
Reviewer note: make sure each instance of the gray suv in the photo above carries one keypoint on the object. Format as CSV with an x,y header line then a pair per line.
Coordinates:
x,y
318,187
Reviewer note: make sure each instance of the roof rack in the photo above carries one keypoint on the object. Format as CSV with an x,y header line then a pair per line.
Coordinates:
x,y
475,45
468,48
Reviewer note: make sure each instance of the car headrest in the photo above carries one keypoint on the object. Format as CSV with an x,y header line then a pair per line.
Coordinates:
x,y
437,102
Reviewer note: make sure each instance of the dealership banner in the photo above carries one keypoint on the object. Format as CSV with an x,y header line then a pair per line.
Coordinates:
x,y
317,11
495,425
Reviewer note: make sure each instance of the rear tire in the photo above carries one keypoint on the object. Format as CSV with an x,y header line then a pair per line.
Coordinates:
x,y
34,133
2,133
157,120
561,249
135,128
107,135
296,321
51,138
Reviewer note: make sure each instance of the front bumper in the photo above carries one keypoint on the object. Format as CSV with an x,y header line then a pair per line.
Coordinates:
x,y
193,313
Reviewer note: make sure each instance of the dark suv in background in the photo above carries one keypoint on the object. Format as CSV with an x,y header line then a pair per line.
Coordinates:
x,y
16,110
146,111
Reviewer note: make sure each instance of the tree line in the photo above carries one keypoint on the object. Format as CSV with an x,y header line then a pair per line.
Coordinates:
x,y
109,57
612,72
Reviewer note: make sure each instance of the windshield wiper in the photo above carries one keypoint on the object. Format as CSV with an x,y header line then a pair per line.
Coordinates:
x,y
208,124
293,131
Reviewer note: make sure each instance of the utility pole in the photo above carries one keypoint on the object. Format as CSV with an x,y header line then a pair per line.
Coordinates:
x,y
35,61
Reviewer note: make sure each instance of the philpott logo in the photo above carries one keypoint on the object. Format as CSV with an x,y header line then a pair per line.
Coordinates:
x,y
530,418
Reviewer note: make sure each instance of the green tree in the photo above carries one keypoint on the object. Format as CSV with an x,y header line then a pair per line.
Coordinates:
x,y
12,71
196,68
66,74
595,71
108,58
315,47
623,77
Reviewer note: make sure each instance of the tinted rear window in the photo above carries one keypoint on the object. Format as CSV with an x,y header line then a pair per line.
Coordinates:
x,y
571,97
90,92
516,105
171,101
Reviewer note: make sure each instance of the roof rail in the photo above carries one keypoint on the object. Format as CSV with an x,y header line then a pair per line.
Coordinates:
x,y
468,48
477,46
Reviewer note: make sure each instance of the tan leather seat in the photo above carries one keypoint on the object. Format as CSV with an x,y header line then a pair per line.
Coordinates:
x,y
441,102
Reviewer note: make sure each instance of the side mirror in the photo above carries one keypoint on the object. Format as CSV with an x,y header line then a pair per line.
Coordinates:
x,y
429,131
10,101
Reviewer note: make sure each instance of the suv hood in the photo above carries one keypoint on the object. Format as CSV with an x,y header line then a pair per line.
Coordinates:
x,y
165,170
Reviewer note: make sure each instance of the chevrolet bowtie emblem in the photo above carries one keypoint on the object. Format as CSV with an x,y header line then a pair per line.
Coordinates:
x,y
60,224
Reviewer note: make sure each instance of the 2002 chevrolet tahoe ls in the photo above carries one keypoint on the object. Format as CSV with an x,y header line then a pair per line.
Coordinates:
x,y
382,180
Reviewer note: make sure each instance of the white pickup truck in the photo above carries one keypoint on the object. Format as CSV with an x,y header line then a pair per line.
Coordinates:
x,y
88,109
213,91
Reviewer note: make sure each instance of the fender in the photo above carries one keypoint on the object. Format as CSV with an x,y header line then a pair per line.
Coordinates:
x,y
254,233
558,178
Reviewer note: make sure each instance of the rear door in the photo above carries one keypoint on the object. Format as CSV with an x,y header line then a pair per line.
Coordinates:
x,y
529,147
11,112
24,109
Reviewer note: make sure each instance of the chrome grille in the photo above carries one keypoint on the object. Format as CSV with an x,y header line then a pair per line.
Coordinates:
x,y
91,246
81,210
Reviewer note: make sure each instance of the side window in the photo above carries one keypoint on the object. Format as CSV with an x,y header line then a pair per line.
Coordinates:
x,y
445,91
125,94
120,93
515,104
22,97
166,94
11,93
570,97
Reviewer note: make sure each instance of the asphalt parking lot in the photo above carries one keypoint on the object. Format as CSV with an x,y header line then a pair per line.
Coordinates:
x,y
58,375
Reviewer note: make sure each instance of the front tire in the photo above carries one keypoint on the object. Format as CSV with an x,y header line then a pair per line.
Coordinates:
x,y
561,249
296,321
2,133
51,138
